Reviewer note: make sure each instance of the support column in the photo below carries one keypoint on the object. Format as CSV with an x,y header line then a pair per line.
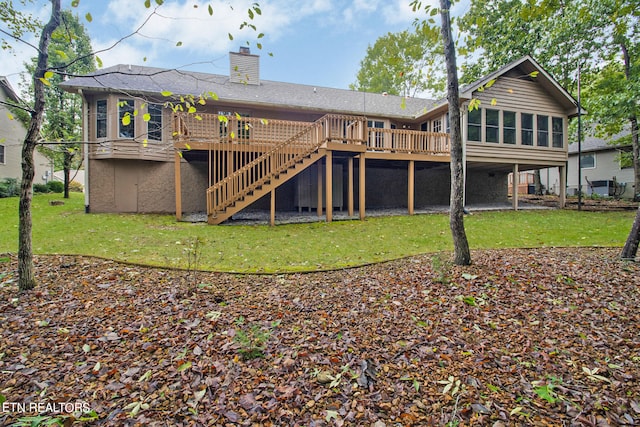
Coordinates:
x,y
319,188
411,186
361,185
329,185
178,184
272,220
350,186
516,183
562,172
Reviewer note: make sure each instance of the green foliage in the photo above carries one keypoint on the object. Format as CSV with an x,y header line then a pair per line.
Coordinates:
x,y
403,63
55,186
441,267
9,187
251,339
546,389
40,188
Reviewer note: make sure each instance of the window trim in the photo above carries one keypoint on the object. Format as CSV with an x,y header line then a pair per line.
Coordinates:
x,y
593,155
474,125
494,127
122,110
554,133
104,119
542,135
529,131
158,126
513,128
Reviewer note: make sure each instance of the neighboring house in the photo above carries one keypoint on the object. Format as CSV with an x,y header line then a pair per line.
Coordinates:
x,y
12,133
265,145
603,173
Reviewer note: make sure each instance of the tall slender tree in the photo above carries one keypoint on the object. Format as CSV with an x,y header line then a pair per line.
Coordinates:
x,y
462,254
26,276
70,52
15,25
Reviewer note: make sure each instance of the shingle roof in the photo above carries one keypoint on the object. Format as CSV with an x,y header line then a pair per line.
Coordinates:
x,y
593,143
151,81
4,82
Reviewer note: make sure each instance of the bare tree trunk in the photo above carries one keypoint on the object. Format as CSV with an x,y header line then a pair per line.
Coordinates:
x,y
635,143
68,157
462,255
630,248
633,120
26,277
537,183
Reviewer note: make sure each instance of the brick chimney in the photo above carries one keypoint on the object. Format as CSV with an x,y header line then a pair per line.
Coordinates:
x,y
244,67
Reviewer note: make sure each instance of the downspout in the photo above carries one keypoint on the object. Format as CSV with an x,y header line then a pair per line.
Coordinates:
x,y
85,139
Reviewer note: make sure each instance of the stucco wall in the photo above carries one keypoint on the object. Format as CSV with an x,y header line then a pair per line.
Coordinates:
x,y
131,186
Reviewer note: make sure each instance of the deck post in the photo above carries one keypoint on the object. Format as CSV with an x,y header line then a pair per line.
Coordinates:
x,y
272,220
562,172
319,188
350,186
361,184
178,185
515,185
411,185
329,184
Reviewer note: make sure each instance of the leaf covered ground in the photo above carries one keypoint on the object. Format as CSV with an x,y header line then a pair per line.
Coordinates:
x,y
522,337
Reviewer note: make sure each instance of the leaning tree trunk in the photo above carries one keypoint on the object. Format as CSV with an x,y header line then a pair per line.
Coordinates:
x,y
26,276
462,256
630,248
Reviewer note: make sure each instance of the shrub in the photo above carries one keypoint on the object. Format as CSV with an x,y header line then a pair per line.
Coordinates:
x,y
40,188
75,187
9,187
55,186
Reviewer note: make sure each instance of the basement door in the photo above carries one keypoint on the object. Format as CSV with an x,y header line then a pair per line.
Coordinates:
x,y
126,187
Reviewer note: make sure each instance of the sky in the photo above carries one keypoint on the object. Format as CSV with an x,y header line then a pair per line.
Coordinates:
x,y
314,42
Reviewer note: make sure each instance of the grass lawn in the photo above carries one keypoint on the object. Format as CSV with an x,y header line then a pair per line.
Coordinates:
x,y
158,240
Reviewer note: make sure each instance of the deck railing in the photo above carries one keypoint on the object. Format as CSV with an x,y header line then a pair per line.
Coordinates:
x,y
407,141
335,128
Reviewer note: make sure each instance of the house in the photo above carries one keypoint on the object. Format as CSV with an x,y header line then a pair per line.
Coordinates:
x,y
12,134
176,141
605,172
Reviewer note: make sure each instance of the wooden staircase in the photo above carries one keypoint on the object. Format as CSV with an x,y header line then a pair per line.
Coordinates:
x,y
265,173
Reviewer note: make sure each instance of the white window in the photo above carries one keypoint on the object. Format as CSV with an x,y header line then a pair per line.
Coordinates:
x,y
437,125
588,161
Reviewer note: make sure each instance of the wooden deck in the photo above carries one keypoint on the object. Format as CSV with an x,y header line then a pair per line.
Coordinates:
x,y
250,157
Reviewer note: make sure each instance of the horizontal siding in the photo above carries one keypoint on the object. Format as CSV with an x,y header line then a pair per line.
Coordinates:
x,y
519,95
521,154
